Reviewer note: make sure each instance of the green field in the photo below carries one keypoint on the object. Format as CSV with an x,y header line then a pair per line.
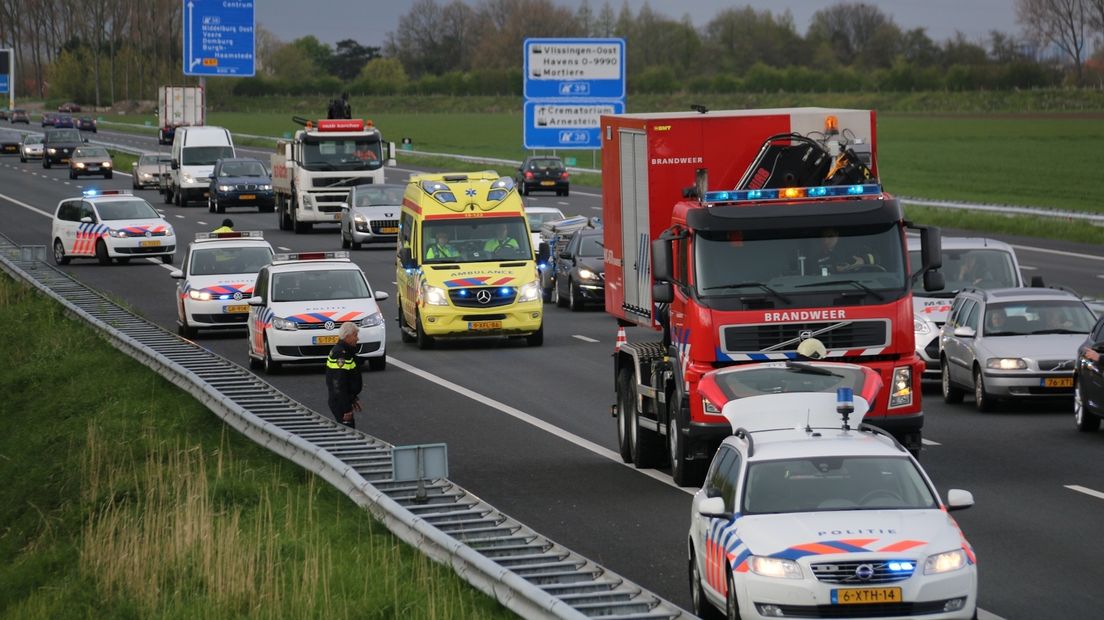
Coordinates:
x,y
132,500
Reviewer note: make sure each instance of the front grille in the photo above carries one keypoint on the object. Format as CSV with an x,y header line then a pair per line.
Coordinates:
x,y
1049,365
379,225
247,187
483,317
322,350
844,572
163,249
229,318
872,610
845,335
315,325
469,297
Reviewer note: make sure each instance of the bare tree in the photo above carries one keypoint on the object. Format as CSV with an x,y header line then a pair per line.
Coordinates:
x,y
1062,23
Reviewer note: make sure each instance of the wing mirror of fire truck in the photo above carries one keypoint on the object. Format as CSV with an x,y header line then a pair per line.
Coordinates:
x,y
931,247
175,165
663,292
663,267
405,259
934,281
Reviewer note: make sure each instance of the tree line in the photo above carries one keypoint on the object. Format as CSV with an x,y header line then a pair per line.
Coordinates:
x,y
103,51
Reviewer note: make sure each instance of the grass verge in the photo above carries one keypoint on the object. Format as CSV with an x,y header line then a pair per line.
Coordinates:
x,y
1025,226
131,500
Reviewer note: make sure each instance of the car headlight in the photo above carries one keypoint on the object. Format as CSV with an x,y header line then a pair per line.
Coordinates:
x,y
187,178
945,562
265,188
106,164
372,320
901,387
199,295
530,291
360,219
308,200
118,233
284,324
79,164
587,274
920,326
1005,363
774,567
146,175
434,296
52,151
225,188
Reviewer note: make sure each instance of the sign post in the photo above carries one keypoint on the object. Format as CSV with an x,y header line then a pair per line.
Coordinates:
x,y
569,84
219,38
7,76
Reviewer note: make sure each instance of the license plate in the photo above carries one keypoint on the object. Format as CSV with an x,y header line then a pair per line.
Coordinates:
x,y
863,596
1058,382
237,308
482,325
64,160
548,182
324,340
389,230
93,168
149,244
8,148
247,197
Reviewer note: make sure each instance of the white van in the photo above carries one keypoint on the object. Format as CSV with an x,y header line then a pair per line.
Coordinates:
x,y
194,153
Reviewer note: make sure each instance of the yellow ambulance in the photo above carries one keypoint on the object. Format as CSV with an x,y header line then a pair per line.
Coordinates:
x,y
466,266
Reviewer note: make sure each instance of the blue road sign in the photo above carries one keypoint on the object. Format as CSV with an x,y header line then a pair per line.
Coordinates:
x,y
7,60
577,68
563,124
219,37
3,84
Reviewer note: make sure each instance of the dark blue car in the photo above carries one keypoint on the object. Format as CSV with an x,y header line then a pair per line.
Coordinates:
x,y
64,121
240,182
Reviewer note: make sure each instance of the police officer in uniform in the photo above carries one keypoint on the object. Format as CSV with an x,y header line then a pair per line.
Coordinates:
x,y
343,379
227,226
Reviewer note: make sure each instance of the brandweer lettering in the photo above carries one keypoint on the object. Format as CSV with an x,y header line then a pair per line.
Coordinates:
x,y
805,315
676,160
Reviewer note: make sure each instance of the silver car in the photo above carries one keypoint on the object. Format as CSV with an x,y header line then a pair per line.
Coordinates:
x,y
1017,343
30,148
146,172
372,215
967,261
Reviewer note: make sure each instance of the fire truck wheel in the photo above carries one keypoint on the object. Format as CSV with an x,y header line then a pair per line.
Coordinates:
x,y
644,444
685,472
624,383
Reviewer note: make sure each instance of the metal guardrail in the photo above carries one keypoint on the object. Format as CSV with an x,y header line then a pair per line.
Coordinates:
x,y
523,570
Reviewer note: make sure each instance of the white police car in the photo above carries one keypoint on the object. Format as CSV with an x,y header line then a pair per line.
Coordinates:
x,y
301,300
110,224
217,278
804,514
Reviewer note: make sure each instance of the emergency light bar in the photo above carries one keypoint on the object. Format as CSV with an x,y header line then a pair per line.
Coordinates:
x,y
312,255
341,124
789,193
237,234
106,192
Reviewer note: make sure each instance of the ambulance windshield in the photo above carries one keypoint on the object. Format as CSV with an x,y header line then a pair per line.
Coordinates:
x,y
475,240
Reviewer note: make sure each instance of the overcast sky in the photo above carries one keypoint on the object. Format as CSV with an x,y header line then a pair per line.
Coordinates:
x,y
369,21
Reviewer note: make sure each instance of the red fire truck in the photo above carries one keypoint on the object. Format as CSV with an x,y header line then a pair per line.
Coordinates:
x,y
739,235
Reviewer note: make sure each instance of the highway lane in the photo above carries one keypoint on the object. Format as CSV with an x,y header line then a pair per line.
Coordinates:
x,y
1015,461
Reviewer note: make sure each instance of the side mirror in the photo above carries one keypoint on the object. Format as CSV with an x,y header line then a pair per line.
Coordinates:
x,y
380,295
713,507
964,332
1037,282
175,165
211,177
543,253
133,165
344,206
176,274
86,219
933,281
390,155
565,255
957,499
86,140
663,266
663,292
405,259
255,301
931,247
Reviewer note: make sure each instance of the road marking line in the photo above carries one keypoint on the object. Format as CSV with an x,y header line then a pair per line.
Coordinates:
x,y
987,615
583,338
536,422
280,247
201,222
1057,252
928,442
20,203
564,203
158,262
597,208
1085,490
177,215
1028,268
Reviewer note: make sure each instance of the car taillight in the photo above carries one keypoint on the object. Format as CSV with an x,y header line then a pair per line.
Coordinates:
x,y
564,175
528,175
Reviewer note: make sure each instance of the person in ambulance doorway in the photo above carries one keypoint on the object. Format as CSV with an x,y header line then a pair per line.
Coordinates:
x,y
343,379
227,226
833,259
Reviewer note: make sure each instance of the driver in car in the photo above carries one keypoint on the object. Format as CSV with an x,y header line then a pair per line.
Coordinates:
x,y
831,259
501,242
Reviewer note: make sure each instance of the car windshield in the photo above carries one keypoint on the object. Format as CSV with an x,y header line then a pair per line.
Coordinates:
x,y
148,160
482,239
95,151
32,140
319,285
591,245
536,219
985,268
1037,318
835,483
219,261
133,209
63,135
380,195
242,169
787,263
204,155
342,154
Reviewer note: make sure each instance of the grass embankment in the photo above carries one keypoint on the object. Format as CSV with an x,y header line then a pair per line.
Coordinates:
x,y
125,498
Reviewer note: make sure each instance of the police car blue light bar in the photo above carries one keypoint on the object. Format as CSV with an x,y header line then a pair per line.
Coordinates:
x,y
312,255
105,192
237,234
790,193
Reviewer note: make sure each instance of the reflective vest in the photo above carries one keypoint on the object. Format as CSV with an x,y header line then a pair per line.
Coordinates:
x,y
223,229
340,363
441,251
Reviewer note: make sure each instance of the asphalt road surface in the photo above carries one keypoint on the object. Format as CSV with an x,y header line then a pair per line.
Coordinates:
x,y
529,429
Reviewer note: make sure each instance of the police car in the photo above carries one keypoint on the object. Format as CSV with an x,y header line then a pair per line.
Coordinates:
x,y
110,224
301,300
217,278
807,513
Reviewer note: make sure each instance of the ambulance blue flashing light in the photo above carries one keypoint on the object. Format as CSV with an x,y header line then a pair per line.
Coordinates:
x,y
790,193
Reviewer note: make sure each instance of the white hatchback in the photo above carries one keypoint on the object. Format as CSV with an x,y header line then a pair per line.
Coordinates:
x,y
217,278
299,303
804,514
110,224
